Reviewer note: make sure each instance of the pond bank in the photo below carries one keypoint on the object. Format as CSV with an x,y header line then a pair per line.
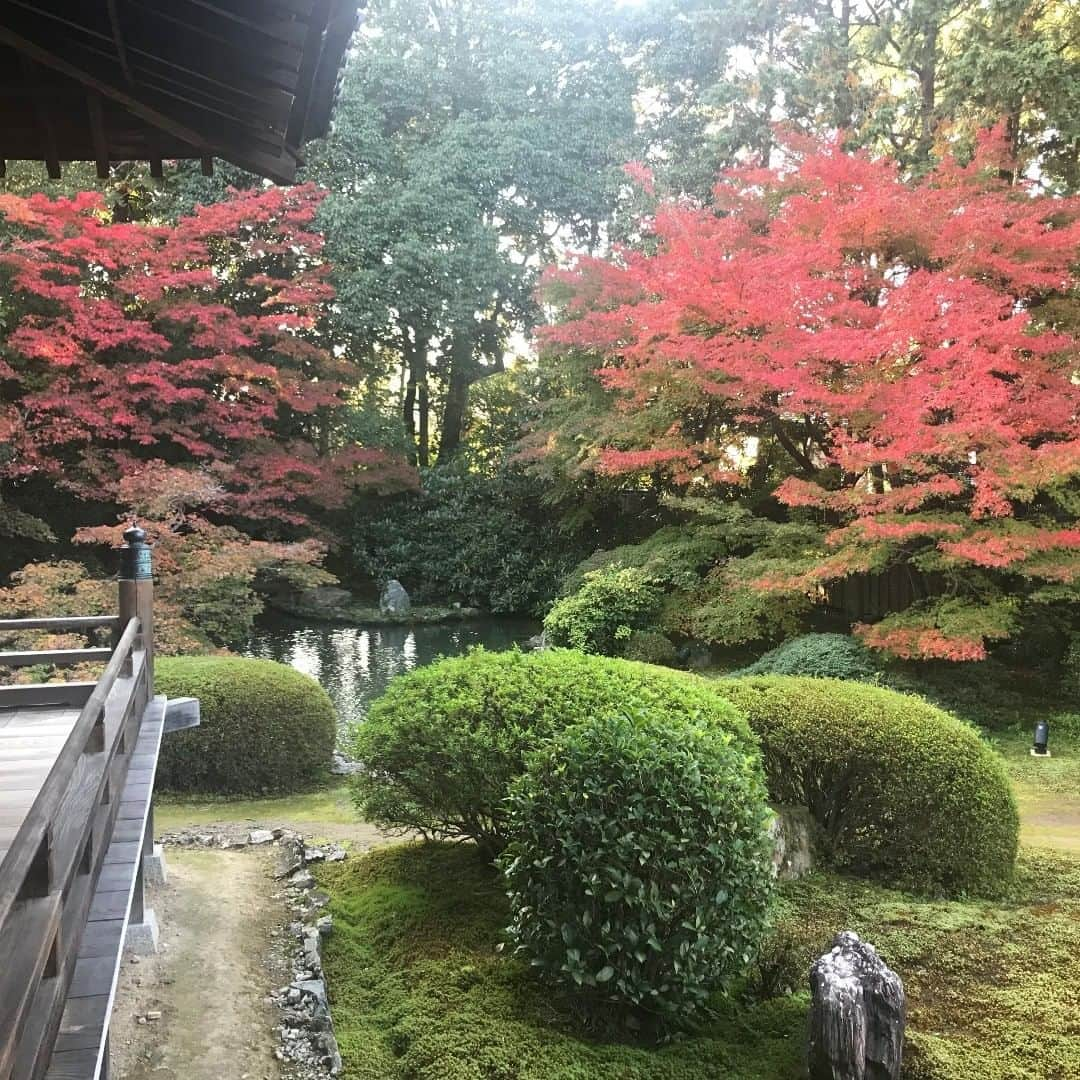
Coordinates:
x,y
355,661
356,614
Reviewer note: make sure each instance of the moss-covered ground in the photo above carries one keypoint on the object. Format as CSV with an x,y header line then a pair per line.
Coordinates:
x,y
421,992
328,806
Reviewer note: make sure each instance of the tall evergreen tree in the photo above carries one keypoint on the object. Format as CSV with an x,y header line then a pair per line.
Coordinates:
x,y
472,139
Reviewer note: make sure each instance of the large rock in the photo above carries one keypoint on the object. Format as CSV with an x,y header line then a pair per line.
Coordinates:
x,y
857,1014
325,598
394,599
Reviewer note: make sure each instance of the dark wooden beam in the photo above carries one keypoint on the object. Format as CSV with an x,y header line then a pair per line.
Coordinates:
x,y
190,98
44,116
244,149
51,60
257,8
324,86
150,25
312,50
227,63
224,26
53,657
244,80
118,40
268,105
97,133
72,694
63,622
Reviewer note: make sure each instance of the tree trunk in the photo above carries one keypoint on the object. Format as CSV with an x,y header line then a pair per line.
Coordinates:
x,y
844,103
1012,133
408,416
927,74
416,396
457,397
324,431
423,449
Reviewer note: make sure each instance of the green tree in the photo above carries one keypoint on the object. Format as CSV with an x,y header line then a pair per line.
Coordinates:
x,y
905,77
472,141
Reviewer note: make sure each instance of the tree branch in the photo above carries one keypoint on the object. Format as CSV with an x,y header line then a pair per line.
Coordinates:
x,y
789,444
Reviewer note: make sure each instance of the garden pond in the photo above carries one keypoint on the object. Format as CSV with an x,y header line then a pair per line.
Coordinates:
x,y
354,663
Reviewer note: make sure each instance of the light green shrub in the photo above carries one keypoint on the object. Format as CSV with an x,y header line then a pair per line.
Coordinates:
x,y
265,727
900,790
609,606
639,869
442,745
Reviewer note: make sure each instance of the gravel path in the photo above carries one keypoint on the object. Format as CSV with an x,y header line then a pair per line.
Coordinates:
x,y
198,1010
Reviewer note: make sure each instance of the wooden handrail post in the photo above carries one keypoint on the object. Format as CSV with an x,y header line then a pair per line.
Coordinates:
x,y
136,592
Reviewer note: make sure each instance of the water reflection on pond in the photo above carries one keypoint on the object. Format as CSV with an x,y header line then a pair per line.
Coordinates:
x,y
354,663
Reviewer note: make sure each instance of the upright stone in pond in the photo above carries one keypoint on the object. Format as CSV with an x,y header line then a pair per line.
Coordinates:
x,y
394,599
856,1015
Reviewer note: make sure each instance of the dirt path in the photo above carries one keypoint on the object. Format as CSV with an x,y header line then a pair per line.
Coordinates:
x,y
210,979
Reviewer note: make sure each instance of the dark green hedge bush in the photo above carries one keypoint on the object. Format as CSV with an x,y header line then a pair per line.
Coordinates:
x,y
651,647
442,745
821,656
265,727
639,869
482,537
901,790
1070,668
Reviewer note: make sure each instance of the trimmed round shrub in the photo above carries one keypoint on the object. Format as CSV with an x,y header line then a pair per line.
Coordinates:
x,y
610,605
900,790
651,647
639,869
441,746
821,656
265,727
1070,668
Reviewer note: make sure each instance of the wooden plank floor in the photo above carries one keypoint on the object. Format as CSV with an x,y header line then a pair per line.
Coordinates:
x,y
30,741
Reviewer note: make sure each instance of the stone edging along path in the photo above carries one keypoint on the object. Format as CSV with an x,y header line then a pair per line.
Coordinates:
x,y
307,1029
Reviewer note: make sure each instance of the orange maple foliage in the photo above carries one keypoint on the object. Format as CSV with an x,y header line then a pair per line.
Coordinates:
x,y
203,343
893,339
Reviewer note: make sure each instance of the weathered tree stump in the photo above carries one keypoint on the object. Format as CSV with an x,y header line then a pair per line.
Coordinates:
x,y
857,1014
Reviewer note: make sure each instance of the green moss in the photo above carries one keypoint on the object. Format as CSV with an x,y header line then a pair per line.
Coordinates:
x,y
326,806
420,992
1057,774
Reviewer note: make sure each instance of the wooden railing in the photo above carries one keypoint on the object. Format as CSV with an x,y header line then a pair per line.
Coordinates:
x,y
52,864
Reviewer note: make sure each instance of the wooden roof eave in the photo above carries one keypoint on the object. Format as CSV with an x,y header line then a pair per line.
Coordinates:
x,y
256,117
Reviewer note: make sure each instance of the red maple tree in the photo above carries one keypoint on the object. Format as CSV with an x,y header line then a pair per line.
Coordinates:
x,y
202,344
905,347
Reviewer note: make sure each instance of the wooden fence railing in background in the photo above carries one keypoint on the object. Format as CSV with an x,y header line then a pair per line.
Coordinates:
x,y
873,596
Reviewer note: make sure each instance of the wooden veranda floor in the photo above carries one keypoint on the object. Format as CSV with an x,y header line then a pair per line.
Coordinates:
x,y
30,742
